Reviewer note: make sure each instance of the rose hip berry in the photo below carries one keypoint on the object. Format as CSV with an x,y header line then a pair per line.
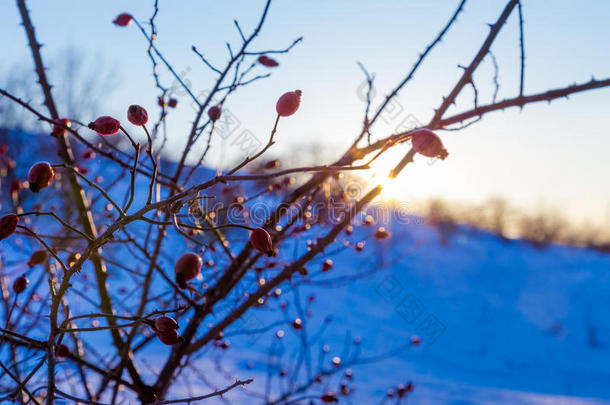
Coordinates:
x,y
267,61
40,176
58,129
214,113
382,234
187,268
288,103
20,284
327,265
165,323
261,241
62,351
329,397
169,337
427,143
38,257
137,115
8,225
123,20
105,125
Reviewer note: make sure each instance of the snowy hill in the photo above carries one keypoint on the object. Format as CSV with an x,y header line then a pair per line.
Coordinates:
x,y
500,322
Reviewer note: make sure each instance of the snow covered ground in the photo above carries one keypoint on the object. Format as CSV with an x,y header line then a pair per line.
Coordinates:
x,y
500,322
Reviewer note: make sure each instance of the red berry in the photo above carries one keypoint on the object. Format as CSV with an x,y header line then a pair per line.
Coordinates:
x,y
165,323
428,143
272,164
169,337
415,340
288,103
40,176
59,130
38,257
15,186
173,103
88,154
214,113
187,268
20,284
382,234
360,246
105,125
297,324
161,101
62,351
327,265
137,115
3,149
261,241
123,20
8,224
329,397
267,61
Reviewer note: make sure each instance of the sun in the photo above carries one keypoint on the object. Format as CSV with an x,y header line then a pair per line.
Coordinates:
x,y
391,187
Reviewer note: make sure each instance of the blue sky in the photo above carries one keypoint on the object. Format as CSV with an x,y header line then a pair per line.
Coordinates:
x,y
546,155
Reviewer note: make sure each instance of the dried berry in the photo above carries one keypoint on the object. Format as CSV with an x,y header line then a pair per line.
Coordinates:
x,y
8,225
165,323
137,115
169,337
427,143
58,127
105,125
88,154
297,324
267,61
288,103
62,351
329,397
40,176
123,20
38,257
214,113
187,268
382,234
272,164
20,284
327,265
261,241
173,103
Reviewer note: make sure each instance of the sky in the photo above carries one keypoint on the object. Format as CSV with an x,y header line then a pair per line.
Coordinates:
x,y
546,155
